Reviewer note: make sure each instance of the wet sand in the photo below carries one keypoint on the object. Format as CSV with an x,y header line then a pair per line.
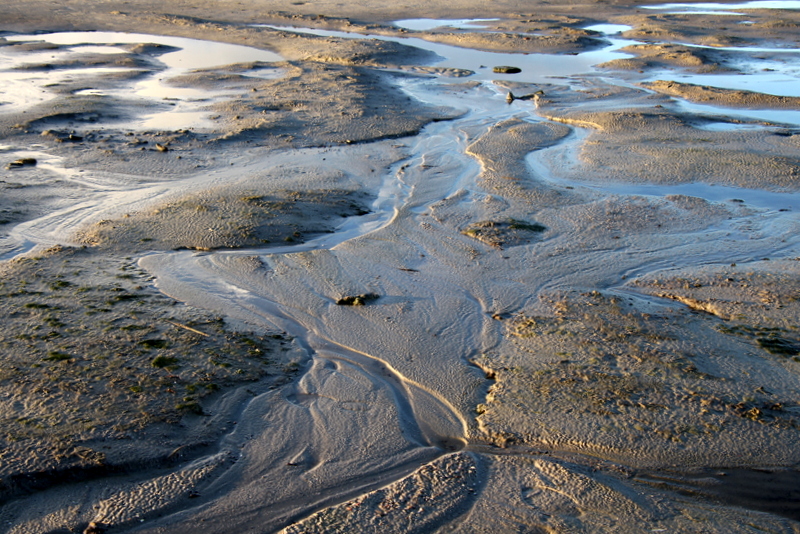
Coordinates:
x,y
335,283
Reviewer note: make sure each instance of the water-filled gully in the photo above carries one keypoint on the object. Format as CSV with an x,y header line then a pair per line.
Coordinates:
x,y
423,417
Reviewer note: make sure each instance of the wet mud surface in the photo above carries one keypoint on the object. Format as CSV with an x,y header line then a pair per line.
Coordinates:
x,y
335,281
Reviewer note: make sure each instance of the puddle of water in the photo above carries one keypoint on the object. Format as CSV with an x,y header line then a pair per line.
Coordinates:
x,y
757,4
29,88
536,68
770,200
772,83
166,120
700,12
22,89
193,53
777,116
771,77
94,49
750,197
609,29
424,25
727,127
18,58
776,75
743,48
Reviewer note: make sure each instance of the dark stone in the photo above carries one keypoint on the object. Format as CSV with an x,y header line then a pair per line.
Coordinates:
x,y
357,300
22,162
505,69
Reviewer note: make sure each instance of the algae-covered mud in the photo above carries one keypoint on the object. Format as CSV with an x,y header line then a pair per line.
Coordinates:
x,y
416,267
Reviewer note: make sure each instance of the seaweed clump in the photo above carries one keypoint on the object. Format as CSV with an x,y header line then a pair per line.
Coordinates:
x,y
357,300
510,233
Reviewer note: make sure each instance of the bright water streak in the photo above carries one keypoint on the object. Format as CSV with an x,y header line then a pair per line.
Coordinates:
x,y
193,53
773,83
542,68
431,24
758,4
536,68
778,116
609,29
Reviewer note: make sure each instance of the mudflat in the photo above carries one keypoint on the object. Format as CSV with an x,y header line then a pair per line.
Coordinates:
x,y
414,267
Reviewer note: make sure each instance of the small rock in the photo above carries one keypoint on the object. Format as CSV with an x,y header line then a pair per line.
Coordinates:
x,y
22,162
510,97
93,528
71,138
162,148
505,69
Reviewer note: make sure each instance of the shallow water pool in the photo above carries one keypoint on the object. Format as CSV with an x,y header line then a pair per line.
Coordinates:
x,y
609,29
191,53
778,116
536,68
29,88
